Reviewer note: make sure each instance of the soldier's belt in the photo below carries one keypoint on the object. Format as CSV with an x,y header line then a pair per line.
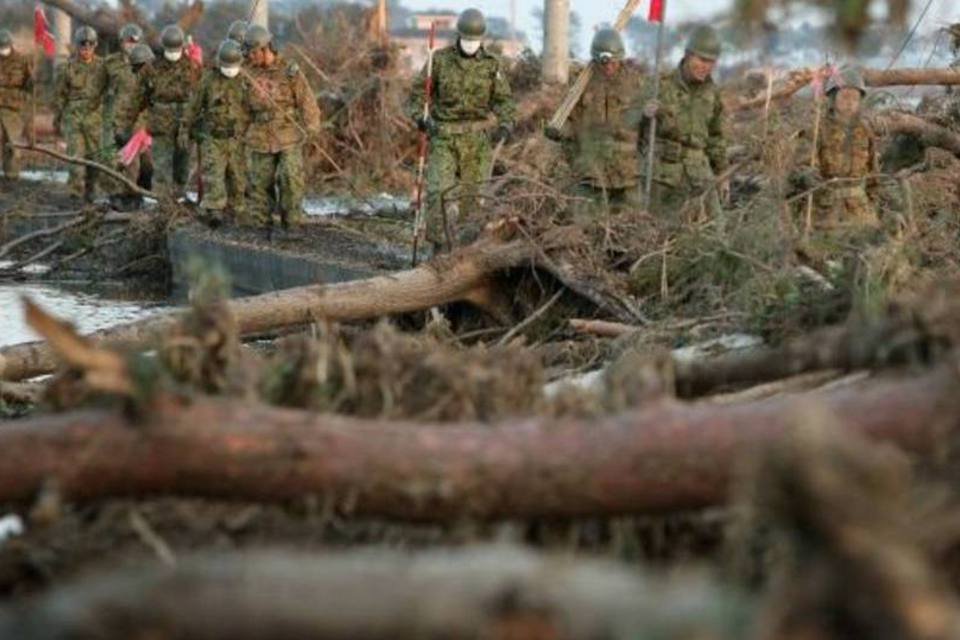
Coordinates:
x,y
464,126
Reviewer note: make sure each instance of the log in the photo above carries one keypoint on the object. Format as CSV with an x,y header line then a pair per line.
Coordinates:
x,y
929,133
669,456
484,592
444,280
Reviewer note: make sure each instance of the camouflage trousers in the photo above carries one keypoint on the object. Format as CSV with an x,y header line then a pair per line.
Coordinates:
x,y
81,131
844,206
224,176
276,184
171,164
11,129
684,188
594,203
456,168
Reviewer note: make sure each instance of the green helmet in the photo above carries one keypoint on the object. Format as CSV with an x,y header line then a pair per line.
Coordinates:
x,y
237,30
6,38
471,24
607,45
704,43
131,32
141,54
229,54
172,37
256,37
847,77
85,35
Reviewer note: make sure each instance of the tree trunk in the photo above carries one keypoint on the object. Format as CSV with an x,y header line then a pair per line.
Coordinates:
x,y
929,133
670,456
487,592
444,280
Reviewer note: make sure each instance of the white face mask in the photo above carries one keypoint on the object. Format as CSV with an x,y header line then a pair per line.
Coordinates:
x,y
6,51
230,72
469,47
174,55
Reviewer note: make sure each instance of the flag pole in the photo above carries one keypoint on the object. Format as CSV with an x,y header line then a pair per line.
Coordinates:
x,y
657,10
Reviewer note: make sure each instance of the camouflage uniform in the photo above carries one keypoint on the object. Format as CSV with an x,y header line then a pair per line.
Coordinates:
x,y
78,100
604,142
845,150
279,98
121,89
471,95
16,83
163,90
216,117
691,147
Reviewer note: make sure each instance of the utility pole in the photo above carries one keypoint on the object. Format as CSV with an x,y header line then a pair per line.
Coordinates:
x,y
261,13
556,41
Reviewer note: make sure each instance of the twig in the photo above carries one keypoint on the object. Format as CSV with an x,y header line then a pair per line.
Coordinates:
x,y
313,65
151,538
43,253
509,335
41,233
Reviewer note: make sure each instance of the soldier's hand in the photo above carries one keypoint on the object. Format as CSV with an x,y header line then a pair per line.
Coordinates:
x,y
427,125
500,134
651,109
553,133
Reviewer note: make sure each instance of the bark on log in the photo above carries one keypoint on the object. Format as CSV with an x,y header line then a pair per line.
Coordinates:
x,y
670,456
485,592
929,133
444,280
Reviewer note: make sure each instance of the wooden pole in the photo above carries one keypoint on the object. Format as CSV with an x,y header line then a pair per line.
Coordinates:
x,y
652,130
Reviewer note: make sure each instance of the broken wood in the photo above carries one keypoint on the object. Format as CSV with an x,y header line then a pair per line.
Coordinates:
x,y
40,233
669,456
929,133
116,175
602,328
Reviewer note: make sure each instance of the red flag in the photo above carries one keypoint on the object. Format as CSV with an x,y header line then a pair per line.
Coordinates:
x,y
656,11
41,33
138,143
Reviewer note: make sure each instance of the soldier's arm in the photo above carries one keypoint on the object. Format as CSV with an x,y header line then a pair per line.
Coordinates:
x,y
194,108
60,92
130,110
308,104
417,95
28,75
717,137
502,101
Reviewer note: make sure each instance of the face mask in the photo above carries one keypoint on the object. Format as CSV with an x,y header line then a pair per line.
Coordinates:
x,y
172,56
230,72
6,51
128,47
469,47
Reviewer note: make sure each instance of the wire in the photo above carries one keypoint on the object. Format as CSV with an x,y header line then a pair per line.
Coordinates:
x,y
910,35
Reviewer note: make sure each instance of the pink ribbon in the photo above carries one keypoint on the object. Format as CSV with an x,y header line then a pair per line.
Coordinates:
x,y
821,76
138,143
195,53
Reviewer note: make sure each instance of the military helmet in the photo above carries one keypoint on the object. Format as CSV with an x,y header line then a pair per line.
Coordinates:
x,y
847,77
471,24
172,37
229,54
85,35
704,43
607,45
141,54
256,37
131,32
237,30
6,38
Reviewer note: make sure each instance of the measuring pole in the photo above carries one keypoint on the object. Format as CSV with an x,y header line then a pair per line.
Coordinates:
x,y
657,11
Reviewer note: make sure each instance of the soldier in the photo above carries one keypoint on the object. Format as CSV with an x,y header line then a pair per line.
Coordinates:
x,y
237,30
471,107
16,83
604,153
691,148
81,82
121,88
283,114
846,155
216,117
164,90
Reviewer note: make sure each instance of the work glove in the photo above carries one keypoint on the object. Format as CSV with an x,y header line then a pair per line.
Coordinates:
x,y
427,125
500,134
553,133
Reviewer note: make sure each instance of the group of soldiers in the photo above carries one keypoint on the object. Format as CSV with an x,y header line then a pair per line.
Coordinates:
x,y
251,113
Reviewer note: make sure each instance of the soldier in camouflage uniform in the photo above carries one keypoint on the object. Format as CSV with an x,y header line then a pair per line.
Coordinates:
x,y
141,57
164,90
283,113
604,140
691,147
81,83
121,88
16,83
216,117
471,106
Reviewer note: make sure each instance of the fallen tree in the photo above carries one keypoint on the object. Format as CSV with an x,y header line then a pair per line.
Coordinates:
x,y
929,133
669,456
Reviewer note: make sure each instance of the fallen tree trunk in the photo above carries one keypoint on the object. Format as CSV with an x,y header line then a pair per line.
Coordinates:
x,y
444,280
485,592
929,133
670,456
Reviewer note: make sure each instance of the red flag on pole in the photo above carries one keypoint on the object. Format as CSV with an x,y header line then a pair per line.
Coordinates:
x,y
41,33
656,11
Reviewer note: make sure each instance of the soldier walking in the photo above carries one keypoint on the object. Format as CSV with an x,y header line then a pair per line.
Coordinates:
x,y
472,107
16,83
603,138
121,89
81,82
216,117
691,147
283,113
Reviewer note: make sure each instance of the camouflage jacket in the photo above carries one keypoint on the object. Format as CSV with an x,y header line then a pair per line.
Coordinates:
x,y
846,150
604,136
16,81
80,86
466,91
281,107
691,119
121,84
217,109
163,89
